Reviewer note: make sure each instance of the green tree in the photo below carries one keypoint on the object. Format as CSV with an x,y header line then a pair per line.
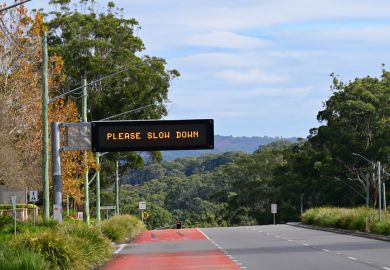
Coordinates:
x,y
94,46
357,120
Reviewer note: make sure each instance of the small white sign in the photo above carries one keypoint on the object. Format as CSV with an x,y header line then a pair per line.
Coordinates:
x,y
80,215
13,200
142,205
110,207
33,196
57,212
274,208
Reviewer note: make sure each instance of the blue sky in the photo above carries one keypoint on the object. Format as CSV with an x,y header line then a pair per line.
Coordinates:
x,y
260,67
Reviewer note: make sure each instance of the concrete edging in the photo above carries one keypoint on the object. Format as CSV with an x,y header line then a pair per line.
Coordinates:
x,y
341,231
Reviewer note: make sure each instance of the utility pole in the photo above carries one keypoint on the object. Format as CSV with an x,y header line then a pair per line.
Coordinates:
x,y
116,188
98,188
45,130
301,204
379,190
86,180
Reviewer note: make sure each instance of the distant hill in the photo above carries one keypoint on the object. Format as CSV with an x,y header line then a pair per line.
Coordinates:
x,y
226,144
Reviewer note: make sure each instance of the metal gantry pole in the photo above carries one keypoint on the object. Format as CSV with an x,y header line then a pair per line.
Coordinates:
x,y
56,168
117,188
384,197
98,188
86,179
45,130
379,190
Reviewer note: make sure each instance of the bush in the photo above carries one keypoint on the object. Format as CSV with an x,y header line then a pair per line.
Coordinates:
x,y
9,206
93,248
53,246
12,258
122,228
360,219
381,228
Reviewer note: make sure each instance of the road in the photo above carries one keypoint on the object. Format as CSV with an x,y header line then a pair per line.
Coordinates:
x,y
278,247
272,247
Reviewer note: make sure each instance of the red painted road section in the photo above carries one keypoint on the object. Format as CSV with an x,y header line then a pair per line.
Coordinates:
x,y
188,260
169,236
194,260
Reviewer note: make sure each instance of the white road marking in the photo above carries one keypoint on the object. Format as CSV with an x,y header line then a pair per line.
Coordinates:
x,y
352,258
326,250
305,244
121,246
208,238
386,268
290,240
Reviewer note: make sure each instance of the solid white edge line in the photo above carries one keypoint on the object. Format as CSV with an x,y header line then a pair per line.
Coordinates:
x,y
121,246
205,235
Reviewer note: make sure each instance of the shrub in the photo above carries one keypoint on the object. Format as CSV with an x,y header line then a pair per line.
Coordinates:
x,y
381,228
122,228
93,248
53,246
361,219
12,258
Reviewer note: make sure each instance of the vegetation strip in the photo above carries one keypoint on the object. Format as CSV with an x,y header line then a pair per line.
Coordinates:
x,y
70,245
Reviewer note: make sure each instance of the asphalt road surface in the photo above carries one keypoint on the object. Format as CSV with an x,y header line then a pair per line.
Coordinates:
x,y
278,247
272,247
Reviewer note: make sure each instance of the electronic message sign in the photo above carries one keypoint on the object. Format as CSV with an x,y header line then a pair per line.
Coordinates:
x,y
152,135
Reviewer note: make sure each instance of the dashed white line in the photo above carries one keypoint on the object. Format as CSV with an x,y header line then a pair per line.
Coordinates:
x,y
352,258
121,246
290,240
326,250
208,238
386,268
305,244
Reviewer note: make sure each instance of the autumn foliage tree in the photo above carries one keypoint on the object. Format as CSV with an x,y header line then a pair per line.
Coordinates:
x,y
20,106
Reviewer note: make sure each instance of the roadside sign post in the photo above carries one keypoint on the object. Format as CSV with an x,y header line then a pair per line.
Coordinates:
x,y
13,200
274,210
142,207
110,207
34,199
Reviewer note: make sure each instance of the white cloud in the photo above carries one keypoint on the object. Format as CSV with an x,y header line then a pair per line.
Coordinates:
x,y
373,35
226,39
252,76
220,59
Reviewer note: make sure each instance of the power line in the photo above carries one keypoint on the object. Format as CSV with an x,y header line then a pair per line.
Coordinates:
x,y
14,5
92,82
120,114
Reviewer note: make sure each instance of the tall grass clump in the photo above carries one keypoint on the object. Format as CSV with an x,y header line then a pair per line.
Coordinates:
x,y
13,257
92,246
360,219
122,228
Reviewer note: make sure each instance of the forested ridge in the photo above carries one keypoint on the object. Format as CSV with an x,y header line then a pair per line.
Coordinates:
x,y
332,166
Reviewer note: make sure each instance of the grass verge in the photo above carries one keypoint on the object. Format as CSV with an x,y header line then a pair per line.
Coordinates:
x,y
70,245
357,219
